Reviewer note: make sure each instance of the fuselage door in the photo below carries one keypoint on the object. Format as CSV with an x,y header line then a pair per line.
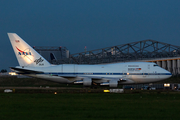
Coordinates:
x,y
148,70
144,73
124,73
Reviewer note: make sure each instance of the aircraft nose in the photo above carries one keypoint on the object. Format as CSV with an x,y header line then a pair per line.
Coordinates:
x,y
169,74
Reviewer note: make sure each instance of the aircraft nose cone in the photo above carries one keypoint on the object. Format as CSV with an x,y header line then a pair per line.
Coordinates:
x,y
169,74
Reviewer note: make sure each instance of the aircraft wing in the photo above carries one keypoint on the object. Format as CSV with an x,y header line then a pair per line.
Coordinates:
x,y
98,79
95,77
25,71
106,78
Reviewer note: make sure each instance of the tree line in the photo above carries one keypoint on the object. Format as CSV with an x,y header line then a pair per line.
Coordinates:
x,y
3,71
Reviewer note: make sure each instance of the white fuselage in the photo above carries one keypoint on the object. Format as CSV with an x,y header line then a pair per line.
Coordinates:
x,y
131,72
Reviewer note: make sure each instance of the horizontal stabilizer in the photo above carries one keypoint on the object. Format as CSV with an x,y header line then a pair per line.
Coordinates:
x,y
25,71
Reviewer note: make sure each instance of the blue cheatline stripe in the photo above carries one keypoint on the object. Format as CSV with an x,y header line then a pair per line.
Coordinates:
x,y
54,73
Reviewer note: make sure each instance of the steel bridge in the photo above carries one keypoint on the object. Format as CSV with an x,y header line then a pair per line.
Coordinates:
x,y
135,51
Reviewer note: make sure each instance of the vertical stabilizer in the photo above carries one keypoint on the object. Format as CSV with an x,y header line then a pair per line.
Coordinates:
x,y
25,54
53,57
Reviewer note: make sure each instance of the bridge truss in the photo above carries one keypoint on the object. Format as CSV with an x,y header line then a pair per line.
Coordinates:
x,y
141,50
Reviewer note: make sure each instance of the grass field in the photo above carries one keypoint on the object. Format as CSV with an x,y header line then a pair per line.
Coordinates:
x,y
89,106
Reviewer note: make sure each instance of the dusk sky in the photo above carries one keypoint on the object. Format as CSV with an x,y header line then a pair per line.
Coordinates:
x,y
92,23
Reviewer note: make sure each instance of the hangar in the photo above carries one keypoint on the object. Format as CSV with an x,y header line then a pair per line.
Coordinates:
x,y
165,55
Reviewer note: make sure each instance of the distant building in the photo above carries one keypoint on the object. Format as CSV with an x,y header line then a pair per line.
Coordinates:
x,y
53,54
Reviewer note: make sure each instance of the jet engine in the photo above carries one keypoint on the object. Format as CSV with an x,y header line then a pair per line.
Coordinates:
x,y
85,82
111,83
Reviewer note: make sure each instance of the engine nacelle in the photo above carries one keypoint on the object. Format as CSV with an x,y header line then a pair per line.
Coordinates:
x,y
85,82
111,83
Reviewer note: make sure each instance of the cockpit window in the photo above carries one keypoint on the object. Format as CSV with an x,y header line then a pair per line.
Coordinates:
x,y
155,65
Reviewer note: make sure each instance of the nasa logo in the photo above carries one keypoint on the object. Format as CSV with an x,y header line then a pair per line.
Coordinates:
x,y
23,52
26,53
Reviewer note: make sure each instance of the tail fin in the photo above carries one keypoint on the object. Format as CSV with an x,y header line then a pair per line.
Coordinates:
x,y
52,56
25,54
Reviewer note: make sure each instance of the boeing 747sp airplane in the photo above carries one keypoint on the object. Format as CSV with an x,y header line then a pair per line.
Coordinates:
x,y
34,65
